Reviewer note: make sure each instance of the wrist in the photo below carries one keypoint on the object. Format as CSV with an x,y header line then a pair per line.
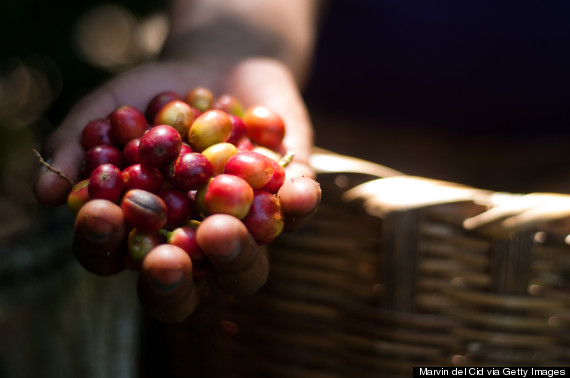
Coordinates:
x,y
225,32
220,43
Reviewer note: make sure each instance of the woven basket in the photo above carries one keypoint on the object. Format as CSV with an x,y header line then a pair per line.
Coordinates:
x,y
398,272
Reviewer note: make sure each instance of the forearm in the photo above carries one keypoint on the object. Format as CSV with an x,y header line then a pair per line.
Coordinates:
x,y
228,31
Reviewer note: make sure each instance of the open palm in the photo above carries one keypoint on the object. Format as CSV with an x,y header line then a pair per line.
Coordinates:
x,y
240,265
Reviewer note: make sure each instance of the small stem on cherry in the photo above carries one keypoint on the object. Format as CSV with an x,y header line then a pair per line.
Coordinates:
x,y
194,223
285,160
51,168
164,232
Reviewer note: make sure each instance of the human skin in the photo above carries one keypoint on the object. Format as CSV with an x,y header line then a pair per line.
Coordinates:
x,y
268,72
257,77
219,239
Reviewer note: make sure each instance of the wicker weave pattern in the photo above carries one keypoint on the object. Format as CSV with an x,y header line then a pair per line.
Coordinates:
x,y
354,294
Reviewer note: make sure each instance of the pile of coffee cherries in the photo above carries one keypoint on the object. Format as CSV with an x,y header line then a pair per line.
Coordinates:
x,y
182,159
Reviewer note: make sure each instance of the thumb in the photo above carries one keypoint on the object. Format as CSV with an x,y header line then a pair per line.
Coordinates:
x,y
63,150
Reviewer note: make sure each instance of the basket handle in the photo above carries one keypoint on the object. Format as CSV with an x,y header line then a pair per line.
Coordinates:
x,y
325,161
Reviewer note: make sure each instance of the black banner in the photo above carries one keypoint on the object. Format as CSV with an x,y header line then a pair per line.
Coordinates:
x,y
524,372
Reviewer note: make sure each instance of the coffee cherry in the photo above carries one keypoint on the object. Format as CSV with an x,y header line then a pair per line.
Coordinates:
x,y
264,221
190,171
96,133
239,130
177,114
185,238
218,154
277,180
99,155
200,98
157,102
179,206
144,210
229,104
274,155
199,201
245,144
264,127
127,123
139,244
211,127
185,149
106,182
182,160
78,196
139,176
131,152
253,167
160,146
227,194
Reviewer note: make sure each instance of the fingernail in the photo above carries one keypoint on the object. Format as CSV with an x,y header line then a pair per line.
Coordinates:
x,y
97,229
166,279
229,252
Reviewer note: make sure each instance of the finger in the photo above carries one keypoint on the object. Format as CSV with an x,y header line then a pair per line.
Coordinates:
x,y
63,150
165,286
50,188
299,169
98,241
299,197
240,265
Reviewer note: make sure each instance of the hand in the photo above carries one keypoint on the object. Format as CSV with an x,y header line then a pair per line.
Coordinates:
x,y
240,266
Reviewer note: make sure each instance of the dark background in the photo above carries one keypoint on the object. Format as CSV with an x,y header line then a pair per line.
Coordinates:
x,y
489,74
475,67
38,31
472,91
